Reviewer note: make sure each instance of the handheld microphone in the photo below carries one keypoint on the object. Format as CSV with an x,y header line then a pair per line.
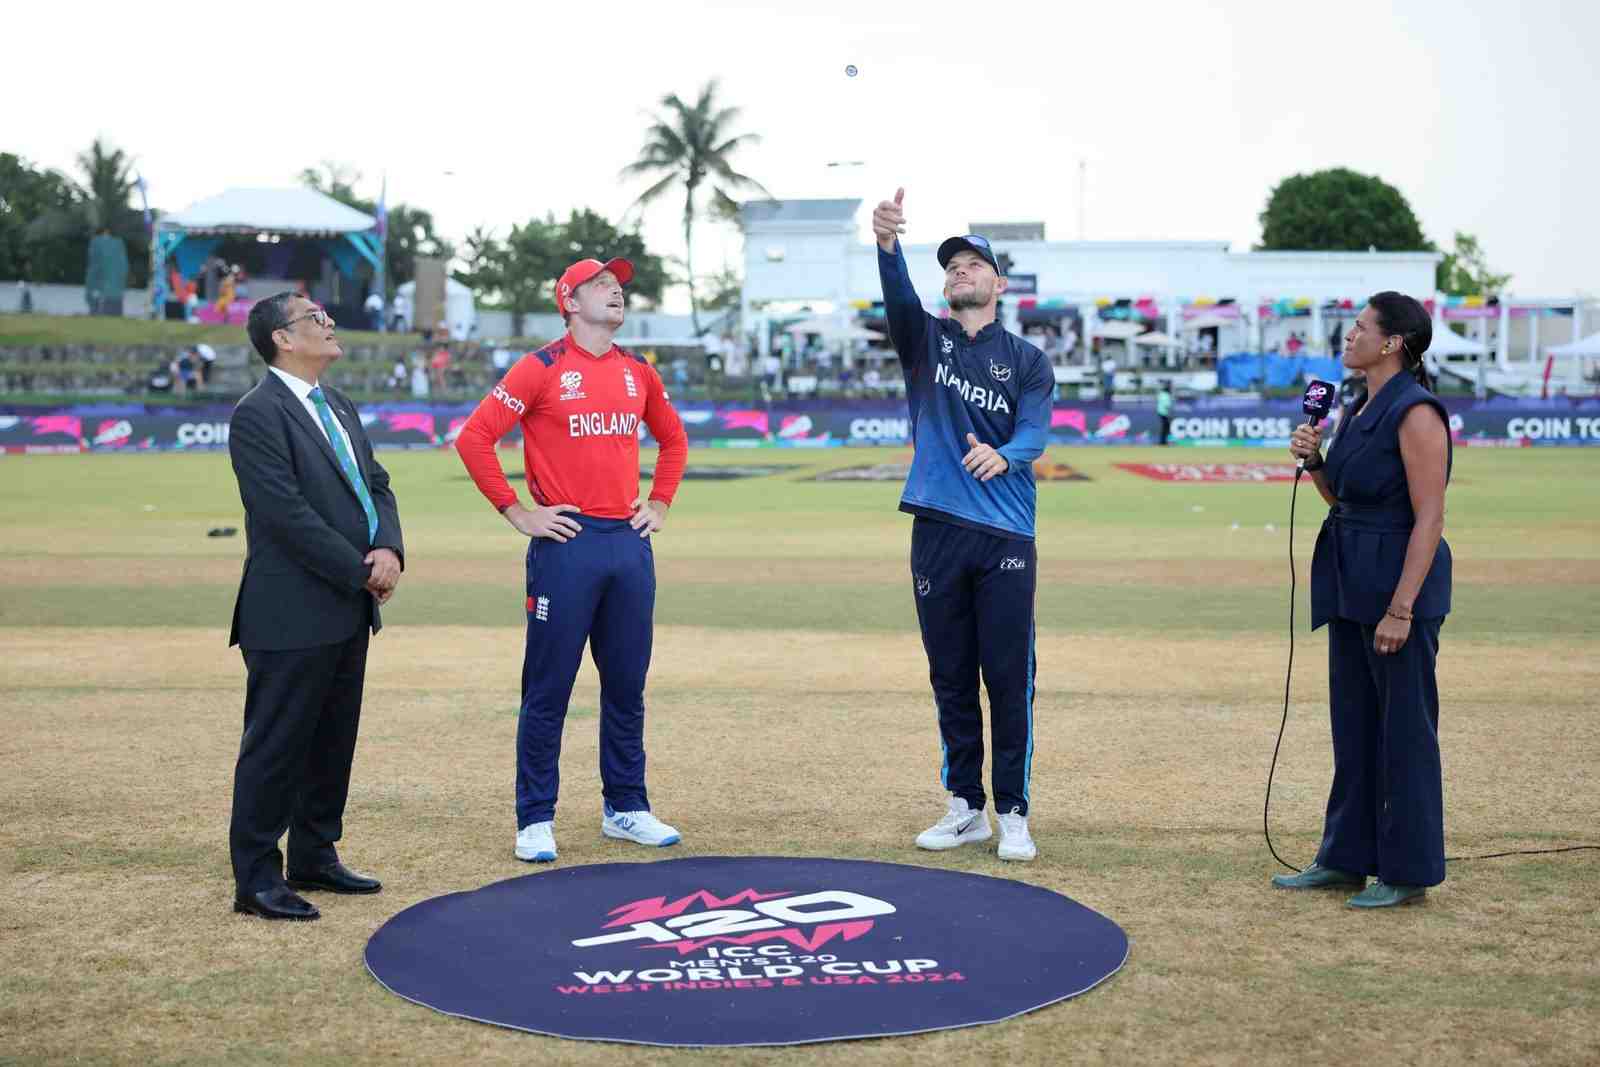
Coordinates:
x,y
1316,403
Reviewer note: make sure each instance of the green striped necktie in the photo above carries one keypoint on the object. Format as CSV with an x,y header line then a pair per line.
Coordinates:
x,y
347,462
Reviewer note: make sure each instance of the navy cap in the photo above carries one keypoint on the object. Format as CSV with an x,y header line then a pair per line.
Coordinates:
x,y
969,243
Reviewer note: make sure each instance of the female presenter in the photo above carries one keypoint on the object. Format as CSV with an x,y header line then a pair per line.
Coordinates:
x,y
1380,578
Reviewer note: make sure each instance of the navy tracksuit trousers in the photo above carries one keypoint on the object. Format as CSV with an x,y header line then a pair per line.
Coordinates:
x,y
974,593
1386,808
599,588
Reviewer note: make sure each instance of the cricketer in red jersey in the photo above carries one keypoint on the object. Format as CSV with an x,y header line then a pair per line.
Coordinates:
x,y
590,568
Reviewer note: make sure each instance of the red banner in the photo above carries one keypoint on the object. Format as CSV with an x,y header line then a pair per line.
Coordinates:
x,y
1212,472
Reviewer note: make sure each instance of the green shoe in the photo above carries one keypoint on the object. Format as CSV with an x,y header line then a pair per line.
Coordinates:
x,y
1319,877
1381,894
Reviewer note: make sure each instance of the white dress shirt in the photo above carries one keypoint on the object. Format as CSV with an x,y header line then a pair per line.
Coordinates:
x,y
302,389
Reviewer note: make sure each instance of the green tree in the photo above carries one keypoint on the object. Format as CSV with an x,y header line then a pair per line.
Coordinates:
x,y
725,290
690,145
590,235
411,229
107,186
105,193
519,273
42,235
1339,210
1465,271
528,263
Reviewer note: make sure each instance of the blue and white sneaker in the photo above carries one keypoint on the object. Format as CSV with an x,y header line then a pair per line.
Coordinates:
x,y
640,827
536,842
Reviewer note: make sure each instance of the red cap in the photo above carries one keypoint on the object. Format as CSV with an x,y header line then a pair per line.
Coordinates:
x,y
584,270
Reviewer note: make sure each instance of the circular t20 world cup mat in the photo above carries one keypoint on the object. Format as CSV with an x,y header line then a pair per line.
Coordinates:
x,y
745,951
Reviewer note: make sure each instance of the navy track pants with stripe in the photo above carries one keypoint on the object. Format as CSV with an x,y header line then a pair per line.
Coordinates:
x,y
598,588
974,593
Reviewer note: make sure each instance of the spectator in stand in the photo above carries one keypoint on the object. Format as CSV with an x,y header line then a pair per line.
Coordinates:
x,y
183,372
374,310
227,291
439,366
1164,410
419,378
400,321
207,364
399,376
1108,379
1293,345
501,358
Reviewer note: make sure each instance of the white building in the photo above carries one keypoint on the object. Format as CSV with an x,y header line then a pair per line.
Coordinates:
x,y
808,252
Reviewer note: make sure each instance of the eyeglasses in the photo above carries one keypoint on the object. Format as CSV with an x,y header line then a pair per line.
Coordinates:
x,y
316,315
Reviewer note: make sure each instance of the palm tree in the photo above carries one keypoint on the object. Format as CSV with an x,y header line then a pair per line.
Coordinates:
x,y
109,182
689,144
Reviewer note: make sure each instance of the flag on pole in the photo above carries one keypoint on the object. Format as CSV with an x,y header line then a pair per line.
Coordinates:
x,y
144,198
383,209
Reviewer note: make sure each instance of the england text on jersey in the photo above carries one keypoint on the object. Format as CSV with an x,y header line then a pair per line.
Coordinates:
x,y
603,424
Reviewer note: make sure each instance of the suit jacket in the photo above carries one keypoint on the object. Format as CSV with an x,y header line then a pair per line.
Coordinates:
x,y
1361,548
304,581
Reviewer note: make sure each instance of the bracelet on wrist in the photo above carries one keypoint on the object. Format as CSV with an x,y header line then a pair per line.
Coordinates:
x,y
1403,616
1313,462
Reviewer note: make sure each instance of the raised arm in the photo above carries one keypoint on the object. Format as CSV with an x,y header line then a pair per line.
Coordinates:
x,y
908,323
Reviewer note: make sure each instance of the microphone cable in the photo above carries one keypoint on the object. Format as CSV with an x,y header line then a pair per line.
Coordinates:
x,y
1266,807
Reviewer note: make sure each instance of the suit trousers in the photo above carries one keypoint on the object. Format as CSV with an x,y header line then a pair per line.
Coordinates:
x,y
1386,808
301,711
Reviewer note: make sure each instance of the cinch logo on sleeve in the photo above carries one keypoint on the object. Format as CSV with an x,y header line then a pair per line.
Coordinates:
x,y
987,399
508,400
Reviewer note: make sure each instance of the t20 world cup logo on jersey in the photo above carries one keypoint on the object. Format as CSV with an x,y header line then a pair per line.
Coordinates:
x,y
571,385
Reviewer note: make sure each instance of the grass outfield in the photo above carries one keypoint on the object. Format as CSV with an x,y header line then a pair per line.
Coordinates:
x,y
785,625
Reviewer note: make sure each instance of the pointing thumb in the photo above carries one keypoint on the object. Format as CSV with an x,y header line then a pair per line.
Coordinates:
x,y
972,439
899,196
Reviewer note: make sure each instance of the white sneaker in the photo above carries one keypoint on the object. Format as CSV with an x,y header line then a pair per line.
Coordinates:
x,y
536,842
959,826
640,827
1015,841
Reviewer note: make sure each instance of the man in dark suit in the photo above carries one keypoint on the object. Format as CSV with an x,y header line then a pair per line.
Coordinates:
x,y
324,552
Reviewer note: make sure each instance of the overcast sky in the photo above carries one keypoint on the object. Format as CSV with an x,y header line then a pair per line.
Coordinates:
x,y
1185,113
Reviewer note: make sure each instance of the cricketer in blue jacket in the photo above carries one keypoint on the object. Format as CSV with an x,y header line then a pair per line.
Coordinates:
x,y
980,402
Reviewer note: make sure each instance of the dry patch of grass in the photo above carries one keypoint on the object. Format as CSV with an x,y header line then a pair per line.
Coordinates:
x,y
114,884
34,571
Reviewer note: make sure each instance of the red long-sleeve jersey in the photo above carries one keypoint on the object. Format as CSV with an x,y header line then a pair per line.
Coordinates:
x,y
580,416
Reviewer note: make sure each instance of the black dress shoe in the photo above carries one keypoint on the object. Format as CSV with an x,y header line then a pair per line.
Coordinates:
x,y
335,878
276,903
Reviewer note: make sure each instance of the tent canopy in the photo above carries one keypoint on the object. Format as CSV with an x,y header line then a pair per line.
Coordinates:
x,y
302,212
1117,329
1155,337
1207,322
347,235
832,330
1589,346
1446,342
